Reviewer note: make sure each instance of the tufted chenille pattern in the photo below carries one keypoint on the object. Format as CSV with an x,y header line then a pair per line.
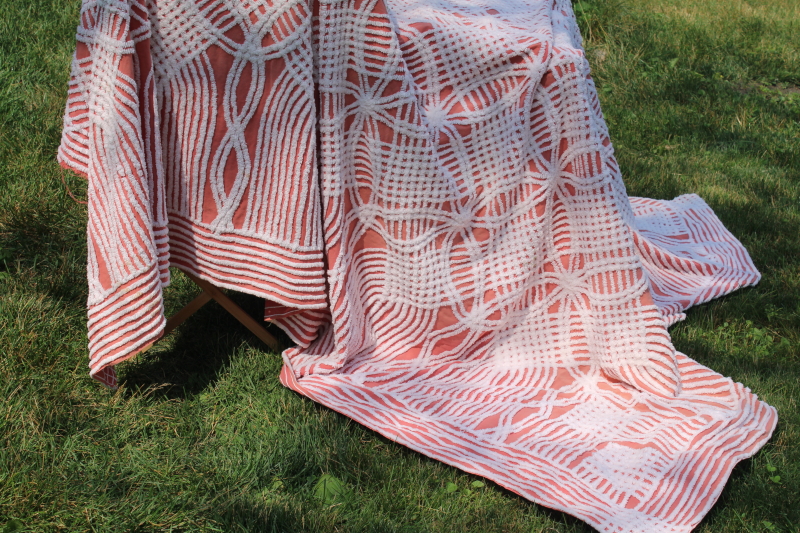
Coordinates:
x,y
426,195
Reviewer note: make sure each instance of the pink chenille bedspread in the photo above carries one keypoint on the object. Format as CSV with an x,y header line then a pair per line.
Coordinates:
x,y
426,195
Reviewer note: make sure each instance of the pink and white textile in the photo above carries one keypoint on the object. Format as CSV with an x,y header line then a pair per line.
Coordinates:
x,y
426,195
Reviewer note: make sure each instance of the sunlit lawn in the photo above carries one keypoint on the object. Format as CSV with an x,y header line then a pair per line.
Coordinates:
x,y
700,97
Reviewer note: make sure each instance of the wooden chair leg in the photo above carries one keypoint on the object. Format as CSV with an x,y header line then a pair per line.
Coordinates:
x,y
211,292
238,313
191,308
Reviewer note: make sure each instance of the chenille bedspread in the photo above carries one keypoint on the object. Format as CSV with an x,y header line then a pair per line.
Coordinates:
x,y
425,193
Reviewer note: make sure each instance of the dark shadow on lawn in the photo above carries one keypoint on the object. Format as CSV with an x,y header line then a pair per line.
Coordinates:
x,y
43,244
240,516
202,346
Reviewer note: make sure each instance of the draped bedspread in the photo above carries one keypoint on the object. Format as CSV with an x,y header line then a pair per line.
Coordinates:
x,y
426,195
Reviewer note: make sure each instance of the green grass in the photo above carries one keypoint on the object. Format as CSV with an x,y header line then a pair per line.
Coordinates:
x,y
701,96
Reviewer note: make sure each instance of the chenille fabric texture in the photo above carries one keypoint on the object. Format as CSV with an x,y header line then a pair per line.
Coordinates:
x,y
426,195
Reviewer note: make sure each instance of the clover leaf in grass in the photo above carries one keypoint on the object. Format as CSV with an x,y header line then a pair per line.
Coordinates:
x,y
772,469
13,525
330,489
451,487
478,484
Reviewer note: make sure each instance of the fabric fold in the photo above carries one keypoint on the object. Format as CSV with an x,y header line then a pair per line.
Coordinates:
x,y
110,135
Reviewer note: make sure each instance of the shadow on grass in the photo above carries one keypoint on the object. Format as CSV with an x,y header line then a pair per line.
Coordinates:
x,y
43,240
188,360
242,516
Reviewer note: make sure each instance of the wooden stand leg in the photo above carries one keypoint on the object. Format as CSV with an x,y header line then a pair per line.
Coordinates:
x,y
237,312
191,308
211,292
